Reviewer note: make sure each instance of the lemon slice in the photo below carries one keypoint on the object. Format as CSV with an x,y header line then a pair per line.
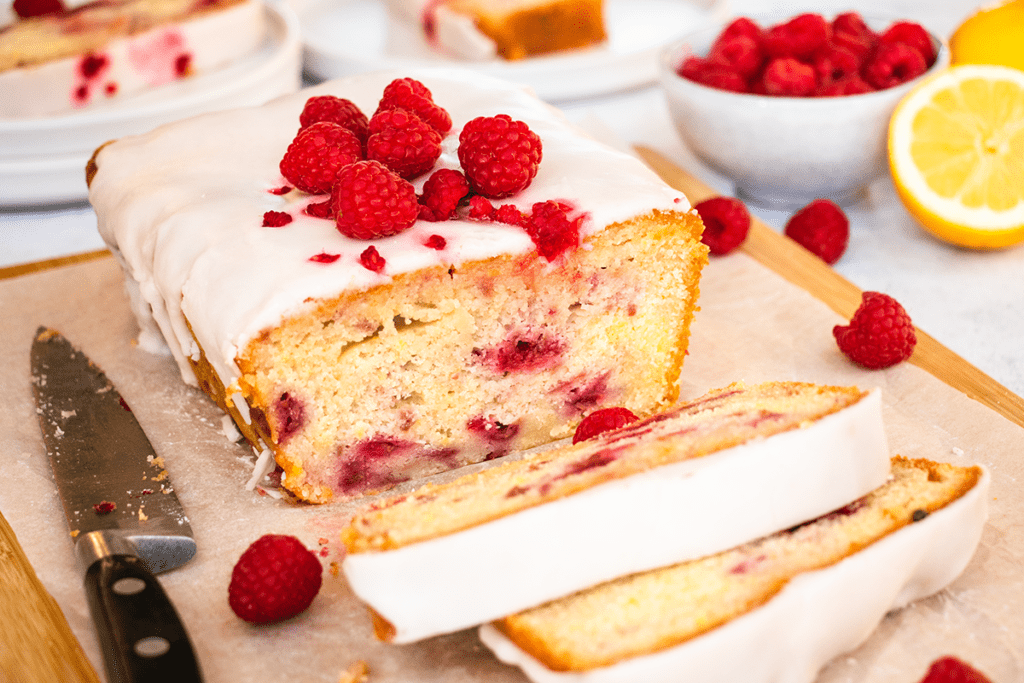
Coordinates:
x,y
956,152
992,35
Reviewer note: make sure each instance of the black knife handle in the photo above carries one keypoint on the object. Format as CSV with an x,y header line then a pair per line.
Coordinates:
x,y
142,638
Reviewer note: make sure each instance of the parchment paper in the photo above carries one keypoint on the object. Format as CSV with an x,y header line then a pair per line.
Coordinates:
x,y
752,326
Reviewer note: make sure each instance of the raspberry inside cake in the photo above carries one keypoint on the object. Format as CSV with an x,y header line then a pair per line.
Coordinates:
x,y
364,361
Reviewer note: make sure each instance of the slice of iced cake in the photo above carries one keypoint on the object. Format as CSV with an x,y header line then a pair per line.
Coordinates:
x,y
101,50
733,465
775,609
462,274
508,29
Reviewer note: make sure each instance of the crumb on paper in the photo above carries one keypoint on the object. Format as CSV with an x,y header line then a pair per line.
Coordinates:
x,y
333,569
957,451
74,534
104,507
357,672
142,516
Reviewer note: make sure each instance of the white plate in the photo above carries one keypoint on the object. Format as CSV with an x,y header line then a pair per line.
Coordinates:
x,y
42,160
345,37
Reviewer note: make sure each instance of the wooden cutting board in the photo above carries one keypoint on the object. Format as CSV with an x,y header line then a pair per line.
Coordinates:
x,y
40,646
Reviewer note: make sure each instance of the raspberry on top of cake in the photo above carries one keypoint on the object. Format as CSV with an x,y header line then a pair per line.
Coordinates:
x,y
434,309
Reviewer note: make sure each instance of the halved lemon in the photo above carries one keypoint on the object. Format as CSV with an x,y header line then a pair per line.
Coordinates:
x,y
956,152
992,35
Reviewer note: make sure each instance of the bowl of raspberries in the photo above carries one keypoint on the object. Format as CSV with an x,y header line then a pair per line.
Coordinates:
x,y
793,108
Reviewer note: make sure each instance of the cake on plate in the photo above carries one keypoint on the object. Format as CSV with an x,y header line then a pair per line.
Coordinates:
x,y
105,49
711,473
358,357
775,609
506,29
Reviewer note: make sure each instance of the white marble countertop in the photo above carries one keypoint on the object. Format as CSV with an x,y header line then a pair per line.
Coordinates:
x,y
971,301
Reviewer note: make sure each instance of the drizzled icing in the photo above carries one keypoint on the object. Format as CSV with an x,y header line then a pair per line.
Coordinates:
x,y
182,207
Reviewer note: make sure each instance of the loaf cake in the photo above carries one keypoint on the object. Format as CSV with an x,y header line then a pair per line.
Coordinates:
x,y
775,609
507,29
458,341
731,466
105,49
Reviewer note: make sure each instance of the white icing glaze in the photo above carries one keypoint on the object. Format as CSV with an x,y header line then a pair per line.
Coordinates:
x,y
133,64
702,506
182,207
817,616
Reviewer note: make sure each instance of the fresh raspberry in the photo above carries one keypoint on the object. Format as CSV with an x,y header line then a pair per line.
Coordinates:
x,y
37,8
833,64
274,579
952,670
911,34
410,94
603,420
851,85
499,155
741,54
338,110
371,201
821,228
851,33
481,208
892,64
551,229
743,26
442,192
403,142
317,154
879,335
789,77
800,37
276,219
726,223
510,214
372,260
705,72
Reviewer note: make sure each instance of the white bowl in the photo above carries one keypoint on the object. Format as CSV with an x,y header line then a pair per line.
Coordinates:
x,y
785,151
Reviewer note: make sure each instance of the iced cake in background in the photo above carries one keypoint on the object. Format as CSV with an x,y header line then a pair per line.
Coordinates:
x,y
507,29
102,50
361,363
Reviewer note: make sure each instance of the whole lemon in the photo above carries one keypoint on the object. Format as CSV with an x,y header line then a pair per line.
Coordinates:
x,y
992,35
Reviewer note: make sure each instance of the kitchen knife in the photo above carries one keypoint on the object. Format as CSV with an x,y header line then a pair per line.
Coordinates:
x,y
124,517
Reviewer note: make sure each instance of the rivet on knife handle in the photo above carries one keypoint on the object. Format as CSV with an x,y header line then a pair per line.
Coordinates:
x,y
142,638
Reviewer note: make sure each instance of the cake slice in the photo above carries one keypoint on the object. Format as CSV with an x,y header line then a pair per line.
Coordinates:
x,y
733,465
508,29
102,50
459,341
775,609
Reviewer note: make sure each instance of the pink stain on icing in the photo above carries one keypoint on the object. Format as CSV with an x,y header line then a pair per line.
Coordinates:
x,y
160,58
90,72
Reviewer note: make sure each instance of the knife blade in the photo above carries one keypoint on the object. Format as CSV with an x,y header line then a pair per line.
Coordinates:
x,y
121,510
